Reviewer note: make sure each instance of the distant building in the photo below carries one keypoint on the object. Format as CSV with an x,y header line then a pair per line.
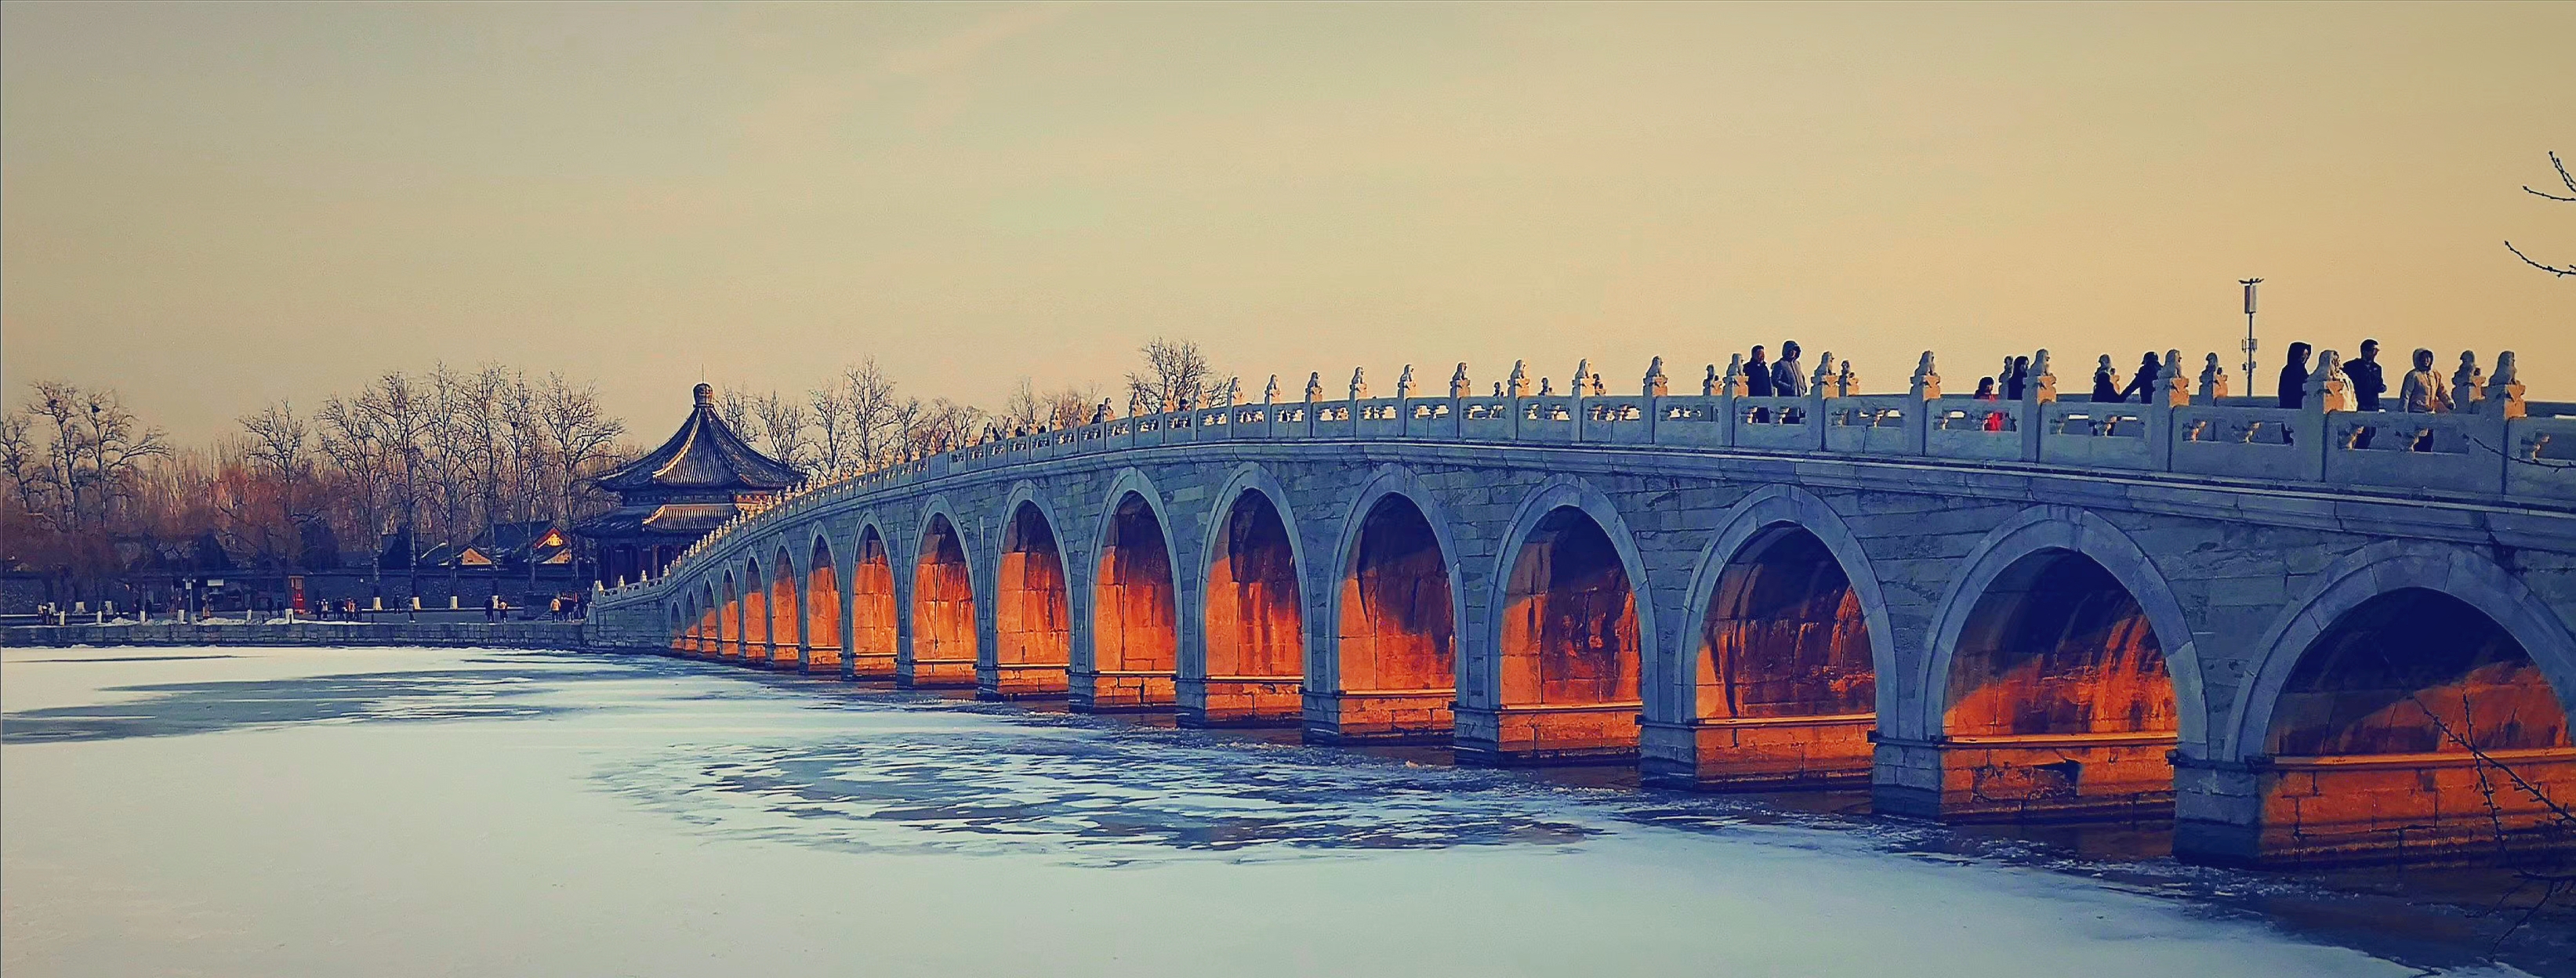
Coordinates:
x,y
678,492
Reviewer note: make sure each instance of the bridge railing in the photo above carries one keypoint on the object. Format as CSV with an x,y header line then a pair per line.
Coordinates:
x,y
2484,453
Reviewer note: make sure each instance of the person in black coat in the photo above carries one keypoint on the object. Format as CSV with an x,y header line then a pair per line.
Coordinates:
x,y
2294,377
2144,384
2019,379
2106,382
1757,375
2366,380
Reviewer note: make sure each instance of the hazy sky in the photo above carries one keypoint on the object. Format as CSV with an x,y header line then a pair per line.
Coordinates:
x,y
209,207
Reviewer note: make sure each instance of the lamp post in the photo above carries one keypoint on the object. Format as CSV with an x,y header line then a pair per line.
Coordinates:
x,y
2249,284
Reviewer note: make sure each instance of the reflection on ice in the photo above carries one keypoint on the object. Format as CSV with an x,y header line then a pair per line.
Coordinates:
x,y
1082,793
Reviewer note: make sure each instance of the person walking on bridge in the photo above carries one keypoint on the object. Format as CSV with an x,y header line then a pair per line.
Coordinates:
x,y
2018,379
1786,380
2106,382
2363,375
1757,374
2294,377
2422,391
2144,384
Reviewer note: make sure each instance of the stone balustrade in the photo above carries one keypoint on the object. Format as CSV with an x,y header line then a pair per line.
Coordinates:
x,y
2491,452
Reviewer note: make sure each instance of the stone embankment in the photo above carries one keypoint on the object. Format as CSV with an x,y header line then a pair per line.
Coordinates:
x,y
506,635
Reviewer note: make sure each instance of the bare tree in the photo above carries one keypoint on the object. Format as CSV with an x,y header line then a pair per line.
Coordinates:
x,y
872,408
735,406
831,404
401,414
277,440
1070,406
1024,410
581,433
782,424
2570,181
350,440
1175,371
908,421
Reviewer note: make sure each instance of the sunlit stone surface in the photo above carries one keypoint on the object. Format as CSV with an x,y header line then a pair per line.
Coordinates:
x,y
423,812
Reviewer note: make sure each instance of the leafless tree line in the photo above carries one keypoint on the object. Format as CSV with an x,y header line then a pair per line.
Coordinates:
x,y
447,454
860,420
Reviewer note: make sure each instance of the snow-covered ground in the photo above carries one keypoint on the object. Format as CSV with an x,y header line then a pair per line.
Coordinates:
x,y
419,811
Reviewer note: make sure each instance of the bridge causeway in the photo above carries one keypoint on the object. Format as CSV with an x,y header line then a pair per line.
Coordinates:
x,y
2307,634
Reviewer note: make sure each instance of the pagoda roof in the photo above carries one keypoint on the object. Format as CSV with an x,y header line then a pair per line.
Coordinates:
x,y
704,454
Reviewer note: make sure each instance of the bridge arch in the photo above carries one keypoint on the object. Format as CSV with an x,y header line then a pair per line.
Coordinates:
x,y
754,611
2061,674
710,621
786,610
1774,677
1388,667
1561,669
822,601
2413,698
946,640
1135,621
1253,608
1032,602
876,619
2370,574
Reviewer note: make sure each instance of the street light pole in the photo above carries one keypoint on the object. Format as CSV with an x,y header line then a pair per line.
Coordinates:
x,y
2249,284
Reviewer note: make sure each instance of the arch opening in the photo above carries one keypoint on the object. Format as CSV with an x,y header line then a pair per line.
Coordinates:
x,y
756,638
786,615
1786,689
1135,622
2415,724
2059,702
729,620
943,612
1569,647
1033,625
822,611
874,621
1256,636
1397,654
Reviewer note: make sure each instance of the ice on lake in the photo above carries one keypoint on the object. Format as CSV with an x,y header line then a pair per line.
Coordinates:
x,y
435,812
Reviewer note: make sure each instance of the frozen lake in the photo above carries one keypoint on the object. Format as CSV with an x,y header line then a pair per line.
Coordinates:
x,y
432,812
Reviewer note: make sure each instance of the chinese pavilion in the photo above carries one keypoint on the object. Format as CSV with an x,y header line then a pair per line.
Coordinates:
x,y
676,493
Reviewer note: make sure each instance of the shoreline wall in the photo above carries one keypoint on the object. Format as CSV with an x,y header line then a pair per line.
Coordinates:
x,y
576,636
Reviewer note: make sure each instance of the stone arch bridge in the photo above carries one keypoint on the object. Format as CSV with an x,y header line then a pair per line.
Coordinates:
x,y
2308,634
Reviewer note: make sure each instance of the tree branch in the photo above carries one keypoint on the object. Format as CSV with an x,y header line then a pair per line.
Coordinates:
x,y
2563,177
2527,260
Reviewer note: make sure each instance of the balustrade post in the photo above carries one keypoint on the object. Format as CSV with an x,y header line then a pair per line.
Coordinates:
x,y
1730,388
2172,393
2325,399
2038,392
1922,401
1820,389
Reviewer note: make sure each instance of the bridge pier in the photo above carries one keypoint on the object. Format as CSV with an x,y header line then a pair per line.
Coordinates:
x,y
1383,716
1240,701
1578,733
2026,777
1758,753
1120,690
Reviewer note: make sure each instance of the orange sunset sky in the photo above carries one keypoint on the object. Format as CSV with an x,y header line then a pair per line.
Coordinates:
x,y
210,207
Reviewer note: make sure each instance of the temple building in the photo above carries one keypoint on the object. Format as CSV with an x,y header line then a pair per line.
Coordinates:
x,y
676,493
